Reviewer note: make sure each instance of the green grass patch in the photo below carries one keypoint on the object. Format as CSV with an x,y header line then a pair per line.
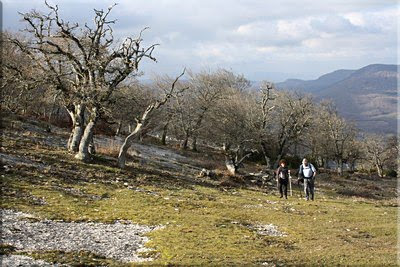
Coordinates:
x,y
203,224
79,258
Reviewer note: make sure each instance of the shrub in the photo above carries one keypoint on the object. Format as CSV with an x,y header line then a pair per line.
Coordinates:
x,y
390,173
294,162
257,158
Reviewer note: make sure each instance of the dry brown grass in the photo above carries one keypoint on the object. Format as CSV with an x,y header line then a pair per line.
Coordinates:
x,y
109,148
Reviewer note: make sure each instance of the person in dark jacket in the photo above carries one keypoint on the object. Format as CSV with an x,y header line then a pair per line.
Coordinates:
x,y
282,176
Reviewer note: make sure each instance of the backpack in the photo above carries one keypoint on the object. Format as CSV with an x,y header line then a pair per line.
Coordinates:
x,y
301,170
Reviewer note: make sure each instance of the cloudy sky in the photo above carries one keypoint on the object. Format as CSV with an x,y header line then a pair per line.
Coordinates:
x,y
262,39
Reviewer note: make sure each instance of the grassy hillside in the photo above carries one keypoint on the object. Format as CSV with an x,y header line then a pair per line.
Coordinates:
x,y
351,222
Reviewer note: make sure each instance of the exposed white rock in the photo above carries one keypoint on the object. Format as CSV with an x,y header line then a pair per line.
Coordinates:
x,y
267,229
122,240
21,260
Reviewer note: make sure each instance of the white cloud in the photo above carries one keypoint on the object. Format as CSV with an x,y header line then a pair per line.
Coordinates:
x,y
267,49
334,24
355,18
251,36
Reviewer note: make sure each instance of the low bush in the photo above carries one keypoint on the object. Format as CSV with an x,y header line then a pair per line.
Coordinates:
x,y
390,173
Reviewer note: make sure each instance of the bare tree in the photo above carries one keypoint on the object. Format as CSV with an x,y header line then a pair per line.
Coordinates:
x,y
145,117
23,87
183,118
293,116
338,136
85,62
392,145
354,153
379,152
266,104
206,90
233,162
231,125
128,103
168,115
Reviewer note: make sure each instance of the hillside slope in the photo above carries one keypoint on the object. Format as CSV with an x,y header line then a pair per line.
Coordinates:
x,y
367,96
62,211
313,86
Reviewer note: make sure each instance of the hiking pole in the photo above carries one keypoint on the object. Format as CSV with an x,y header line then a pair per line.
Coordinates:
x,y
277,182
300,188
290,184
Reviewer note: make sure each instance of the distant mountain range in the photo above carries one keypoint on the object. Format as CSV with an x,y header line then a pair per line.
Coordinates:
x,y
367,96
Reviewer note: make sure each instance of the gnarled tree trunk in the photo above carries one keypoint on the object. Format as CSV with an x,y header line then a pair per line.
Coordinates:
x,y
194,143
379,167
127,144
139,124
78,120
118,131
230,164
265,153
87,138
92,148
184,143
340,167
135,133
380,170
164,134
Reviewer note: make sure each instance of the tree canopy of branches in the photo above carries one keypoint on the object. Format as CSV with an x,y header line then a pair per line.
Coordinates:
x,y
336,138
22,85
292,116
84,69
146,116
83,62
381,152
206,90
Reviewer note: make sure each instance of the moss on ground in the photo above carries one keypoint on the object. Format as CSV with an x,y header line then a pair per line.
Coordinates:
x,y
203,224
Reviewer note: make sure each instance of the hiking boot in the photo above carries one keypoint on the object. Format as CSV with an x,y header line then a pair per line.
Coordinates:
x,y
281,196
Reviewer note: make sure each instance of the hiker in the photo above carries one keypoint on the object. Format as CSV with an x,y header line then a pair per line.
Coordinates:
x,y
307,172
282,176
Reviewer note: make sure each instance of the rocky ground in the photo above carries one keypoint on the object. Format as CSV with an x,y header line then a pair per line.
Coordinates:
x,y
21,260
150,154
122,240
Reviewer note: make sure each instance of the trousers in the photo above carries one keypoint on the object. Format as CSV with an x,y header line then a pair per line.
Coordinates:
x,y
283,184
309,188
